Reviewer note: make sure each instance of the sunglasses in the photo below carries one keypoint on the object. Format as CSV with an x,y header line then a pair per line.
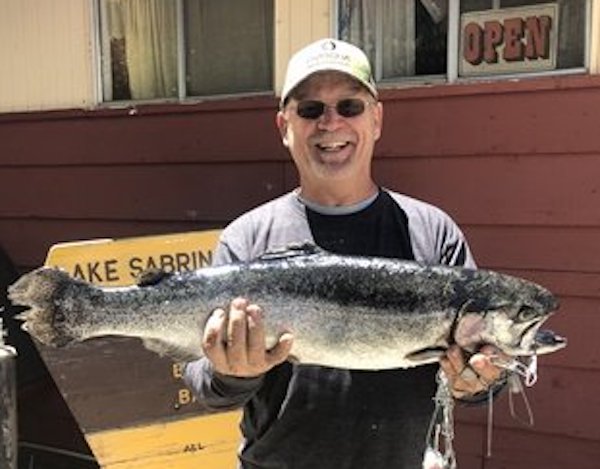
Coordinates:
x,y
313,109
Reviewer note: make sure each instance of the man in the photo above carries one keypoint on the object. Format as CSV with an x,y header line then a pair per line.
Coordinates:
x,y
299,416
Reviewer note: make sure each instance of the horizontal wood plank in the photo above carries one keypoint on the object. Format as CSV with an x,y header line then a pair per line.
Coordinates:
x,y
584,285
556,402
560,249
512,122
151,193
517,450
528,190
135,135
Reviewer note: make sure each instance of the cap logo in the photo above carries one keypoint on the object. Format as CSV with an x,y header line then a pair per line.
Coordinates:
x,y
329,45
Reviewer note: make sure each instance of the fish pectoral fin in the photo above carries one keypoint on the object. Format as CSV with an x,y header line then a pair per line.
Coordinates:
x,y
426,355
167,349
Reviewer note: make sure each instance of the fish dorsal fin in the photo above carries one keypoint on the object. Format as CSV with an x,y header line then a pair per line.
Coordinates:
x,y
292,250
151,277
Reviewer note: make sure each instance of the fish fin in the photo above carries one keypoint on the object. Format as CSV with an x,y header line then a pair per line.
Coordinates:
x,y
426,355
38,290
292,250
175,352
151,277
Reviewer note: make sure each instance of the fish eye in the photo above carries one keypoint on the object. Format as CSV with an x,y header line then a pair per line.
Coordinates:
x,y
526,313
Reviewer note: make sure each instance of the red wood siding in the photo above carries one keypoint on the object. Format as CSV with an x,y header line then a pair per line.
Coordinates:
x,y
517,164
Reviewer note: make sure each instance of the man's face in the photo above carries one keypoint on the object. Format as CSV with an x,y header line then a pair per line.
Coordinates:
x,y
332,148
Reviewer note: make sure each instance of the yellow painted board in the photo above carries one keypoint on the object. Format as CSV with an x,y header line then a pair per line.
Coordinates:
x,y
116,262
207,442
199,442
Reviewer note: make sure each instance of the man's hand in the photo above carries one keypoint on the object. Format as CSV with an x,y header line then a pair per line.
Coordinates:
x,y
235,342
472,377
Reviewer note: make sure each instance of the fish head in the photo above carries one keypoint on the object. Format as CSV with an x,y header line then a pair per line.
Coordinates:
x,y
508,313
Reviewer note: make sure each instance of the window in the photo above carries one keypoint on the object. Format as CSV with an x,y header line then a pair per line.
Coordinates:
x,y
161,49
419,38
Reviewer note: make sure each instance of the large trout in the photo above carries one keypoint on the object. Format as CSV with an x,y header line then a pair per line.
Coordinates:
x,y
344,311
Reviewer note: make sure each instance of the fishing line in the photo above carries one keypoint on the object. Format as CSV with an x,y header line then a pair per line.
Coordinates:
x,y
439,451
441,429
518,373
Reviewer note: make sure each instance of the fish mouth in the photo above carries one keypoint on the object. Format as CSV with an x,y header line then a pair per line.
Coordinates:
x,y
547,341
540,341
527,341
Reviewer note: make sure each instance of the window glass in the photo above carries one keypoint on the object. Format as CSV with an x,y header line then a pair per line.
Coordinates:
x,y
228,46
410,38
139,49
151,51
401,38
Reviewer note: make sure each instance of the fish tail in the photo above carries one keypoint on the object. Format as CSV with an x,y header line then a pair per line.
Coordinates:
x,y
38,291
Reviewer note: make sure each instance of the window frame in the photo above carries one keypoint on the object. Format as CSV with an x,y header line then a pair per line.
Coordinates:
x,y
102,72
452,52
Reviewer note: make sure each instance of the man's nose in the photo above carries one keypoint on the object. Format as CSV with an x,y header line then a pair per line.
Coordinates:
x,y
330,118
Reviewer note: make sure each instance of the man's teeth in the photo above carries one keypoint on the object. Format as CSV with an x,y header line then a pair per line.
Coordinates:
x,y
333,146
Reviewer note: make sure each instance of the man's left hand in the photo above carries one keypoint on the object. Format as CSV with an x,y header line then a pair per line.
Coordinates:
x,y
472,376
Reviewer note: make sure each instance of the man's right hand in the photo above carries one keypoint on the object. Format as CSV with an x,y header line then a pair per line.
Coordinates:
x,y
235,342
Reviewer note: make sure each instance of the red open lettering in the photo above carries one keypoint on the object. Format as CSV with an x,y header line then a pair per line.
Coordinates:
x,y
493,35
520,40
538,37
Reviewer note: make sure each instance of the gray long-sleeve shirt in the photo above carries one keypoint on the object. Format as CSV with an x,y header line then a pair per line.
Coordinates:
x,y
306,416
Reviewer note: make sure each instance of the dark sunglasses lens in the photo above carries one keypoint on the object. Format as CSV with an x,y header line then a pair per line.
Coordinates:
x,y
350,107
310,109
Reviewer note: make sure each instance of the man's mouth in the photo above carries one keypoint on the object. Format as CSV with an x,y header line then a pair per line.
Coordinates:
x,y
332,146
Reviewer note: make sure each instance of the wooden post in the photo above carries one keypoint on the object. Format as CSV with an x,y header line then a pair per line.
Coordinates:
x,y
8,405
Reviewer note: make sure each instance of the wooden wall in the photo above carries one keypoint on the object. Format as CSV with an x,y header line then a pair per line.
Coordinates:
x,y
516,163
518,166
114,173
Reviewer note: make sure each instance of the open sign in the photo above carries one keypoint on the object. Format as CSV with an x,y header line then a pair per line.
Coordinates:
x,y
510,40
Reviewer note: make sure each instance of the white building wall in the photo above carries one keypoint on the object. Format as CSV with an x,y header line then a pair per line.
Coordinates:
x,y
297,23
46,55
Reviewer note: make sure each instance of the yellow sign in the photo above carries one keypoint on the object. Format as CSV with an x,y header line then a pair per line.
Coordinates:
x,y
188,441
119,262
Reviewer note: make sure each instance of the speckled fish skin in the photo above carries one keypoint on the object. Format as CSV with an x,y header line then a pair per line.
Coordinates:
x,y
344,311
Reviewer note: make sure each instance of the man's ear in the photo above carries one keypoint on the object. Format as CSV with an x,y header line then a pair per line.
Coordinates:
x,y
378,120
282,125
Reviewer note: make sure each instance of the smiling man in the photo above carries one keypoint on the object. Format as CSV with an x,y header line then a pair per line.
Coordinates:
x,y
330,123
301,416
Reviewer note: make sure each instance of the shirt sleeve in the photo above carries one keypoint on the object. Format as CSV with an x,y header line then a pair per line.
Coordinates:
x,y
452,247
435,236
217,391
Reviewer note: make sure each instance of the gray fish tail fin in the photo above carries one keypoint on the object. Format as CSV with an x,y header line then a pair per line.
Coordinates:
x,y
37,290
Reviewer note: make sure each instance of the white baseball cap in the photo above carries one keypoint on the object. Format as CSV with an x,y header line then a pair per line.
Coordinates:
x,y
326,55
